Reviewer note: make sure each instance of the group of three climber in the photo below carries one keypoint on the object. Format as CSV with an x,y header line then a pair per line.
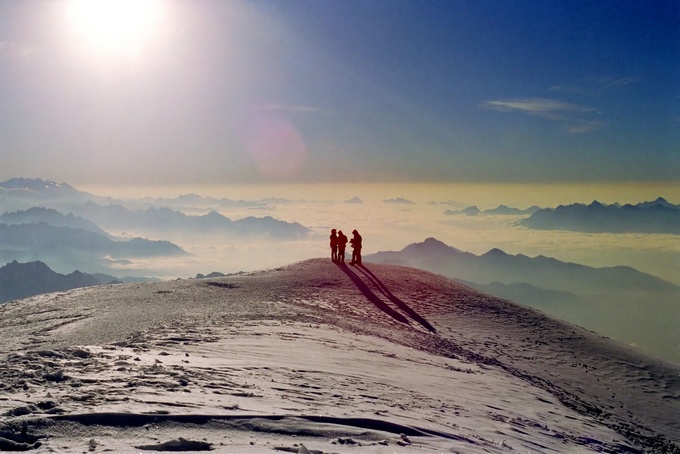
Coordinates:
x,y
338,243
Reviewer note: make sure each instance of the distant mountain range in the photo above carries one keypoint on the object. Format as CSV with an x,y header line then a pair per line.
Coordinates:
x,y
499,210
22,193
36,200
27,192
42,236
34,228
198,201
36,185
497,266
21,280
68,248
658,216
615,301
49,216
166,220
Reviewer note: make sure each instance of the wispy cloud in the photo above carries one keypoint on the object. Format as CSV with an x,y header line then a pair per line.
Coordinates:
x,y
541,107
574,117
583,127
623,81
595,85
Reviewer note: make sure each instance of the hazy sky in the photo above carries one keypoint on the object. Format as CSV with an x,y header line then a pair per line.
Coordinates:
x,y
267,91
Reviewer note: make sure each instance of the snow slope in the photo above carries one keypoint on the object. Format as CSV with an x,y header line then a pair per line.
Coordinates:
x,y
316,357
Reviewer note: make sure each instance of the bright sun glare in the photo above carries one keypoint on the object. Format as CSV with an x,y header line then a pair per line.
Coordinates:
x,y
114,26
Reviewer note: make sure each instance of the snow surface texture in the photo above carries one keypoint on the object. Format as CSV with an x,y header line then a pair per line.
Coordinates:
x,y
316,357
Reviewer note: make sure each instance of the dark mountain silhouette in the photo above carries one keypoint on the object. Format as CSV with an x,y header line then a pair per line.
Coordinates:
x,y
505,210
497,266
659,201
210,276
354,200
49,216
619,302
658,216
499,210
469,211
166,220
20,280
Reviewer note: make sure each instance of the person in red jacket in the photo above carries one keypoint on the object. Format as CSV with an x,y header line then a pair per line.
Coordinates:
x,y
356,248
342,243
334,246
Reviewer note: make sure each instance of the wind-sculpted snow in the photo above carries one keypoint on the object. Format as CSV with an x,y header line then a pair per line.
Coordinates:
x,y
316,357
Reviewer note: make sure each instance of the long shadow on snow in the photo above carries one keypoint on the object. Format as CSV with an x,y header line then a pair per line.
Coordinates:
x,y
372,297
246,422
402,305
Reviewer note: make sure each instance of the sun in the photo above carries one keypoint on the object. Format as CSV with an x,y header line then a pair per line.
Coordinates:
x,y
114,26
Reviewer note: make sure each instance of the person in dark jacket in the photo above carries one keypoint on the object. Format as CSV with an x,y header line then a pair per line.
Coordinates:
x,y
342,244
356,248
334,246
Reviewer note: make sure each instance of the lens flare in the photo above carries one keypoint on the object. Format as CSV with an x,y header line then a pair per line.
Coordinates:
x,y
275,145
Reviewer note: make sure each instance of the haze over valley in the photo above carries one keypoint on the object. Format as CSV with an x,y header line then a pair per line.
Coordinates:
x,y
296,220
606,281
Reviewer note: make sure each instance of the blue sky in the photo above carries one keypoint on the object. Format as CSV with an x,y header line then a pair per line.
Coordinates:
x,y
268,91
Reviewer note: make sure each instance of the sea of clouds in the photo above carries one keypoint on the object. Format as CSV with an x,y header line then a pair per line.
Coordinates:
x,y
391,217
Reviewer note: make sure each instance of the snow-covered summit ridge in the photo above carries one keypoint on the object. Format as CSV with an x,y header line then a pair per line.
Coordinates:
x,y
336,351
